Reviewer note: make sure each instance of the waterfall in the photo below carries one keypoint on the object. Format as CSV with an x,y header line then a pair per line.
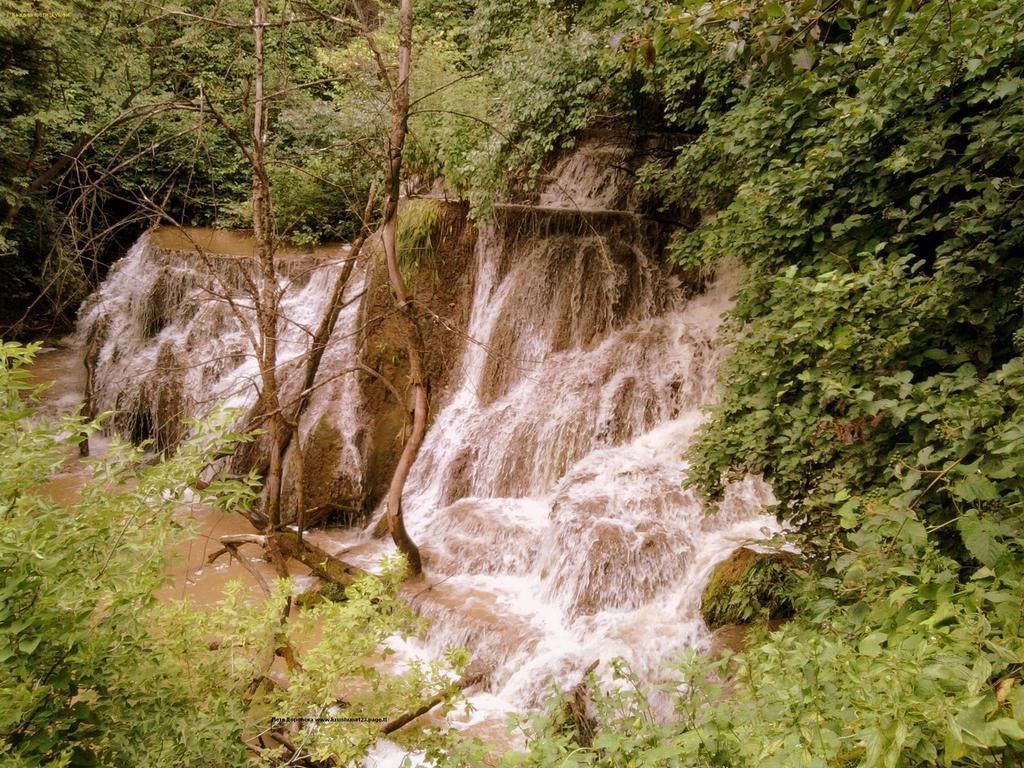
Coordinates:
x,y
165,340
549,497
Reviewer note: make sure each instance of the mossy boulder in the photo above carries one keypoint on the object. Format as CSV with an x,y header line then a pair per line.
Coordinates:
x,y
750,586
330,486
321,592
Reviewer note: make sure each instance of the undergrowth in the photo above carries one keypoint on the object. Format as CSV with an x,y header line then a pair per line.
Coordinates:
x,y
418,221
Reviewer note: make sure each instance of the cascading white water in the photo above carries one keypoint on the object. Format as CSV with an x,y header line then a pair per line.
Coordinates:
x,y
548,498
165,342
554,517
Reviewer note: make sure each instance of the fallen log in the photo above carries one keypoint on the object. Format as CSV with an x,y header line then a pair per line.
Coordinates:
x,y
232,542
325,565
289,544
467,680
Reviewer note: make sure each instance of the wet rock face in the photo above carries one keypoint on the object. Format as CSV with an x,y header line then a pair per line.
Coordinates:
x,y
162,302
169,428
164,344
444,287
327,494
154,408
566,292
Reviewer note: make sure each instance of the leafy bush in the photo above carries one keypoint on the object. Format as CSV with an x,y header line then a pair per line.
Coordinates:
x,y
875,200
549,66
93,669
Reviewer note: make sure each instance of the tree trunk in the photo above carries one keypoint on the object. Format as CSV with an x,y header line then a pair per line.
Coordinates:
x,y
267,302
469,679
408,319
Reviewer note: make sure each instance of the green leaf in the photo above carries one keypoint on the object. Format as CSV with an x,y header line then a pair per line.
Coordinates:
x,y
804,58
975,487
981,537
871,646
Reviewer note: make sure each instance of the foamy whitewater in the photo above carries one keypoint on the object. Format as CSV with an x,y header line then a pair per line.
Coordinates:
x,y
576,541
166,344
549,497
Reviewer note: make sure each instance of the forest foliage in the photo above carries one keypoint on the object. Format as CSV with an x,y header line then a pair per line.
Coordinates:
x,y
862,160
97,670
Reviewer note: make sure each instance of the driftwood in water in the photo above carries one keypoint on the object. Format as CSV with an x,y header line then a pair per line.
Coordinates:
x,y
231,545
289,544
325,565
233,541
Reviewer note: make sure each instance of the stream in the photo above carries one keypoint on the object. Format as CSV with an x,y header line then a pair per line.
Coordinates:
x,y
549,497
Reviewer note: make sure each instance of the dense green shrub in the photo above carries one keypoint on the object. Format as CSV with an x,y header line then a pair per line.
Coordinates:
x,y
540,74
94,670
876,202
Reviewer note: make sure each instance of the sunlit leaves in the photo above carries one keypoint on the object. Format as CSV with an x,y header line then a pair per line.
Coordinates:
x,y
90,668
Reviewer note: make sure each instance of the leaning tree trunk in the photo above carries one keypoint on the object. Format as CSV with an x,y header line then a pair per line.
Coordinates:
x,y
409,326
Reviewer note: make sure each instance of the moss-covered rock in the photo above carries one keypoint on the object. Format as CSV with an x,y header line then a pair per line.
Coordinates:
x,y
442,277
322,591
749,586
329,486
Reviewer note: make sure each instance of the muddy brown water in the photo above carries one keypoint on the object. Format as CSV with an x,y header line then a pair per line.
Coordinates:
x,y
192,578
60,367
224,242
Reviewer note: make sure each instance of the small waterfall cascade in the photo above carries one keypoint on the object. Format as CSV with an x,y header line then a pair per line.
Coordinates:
x,y
549,497
165,342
